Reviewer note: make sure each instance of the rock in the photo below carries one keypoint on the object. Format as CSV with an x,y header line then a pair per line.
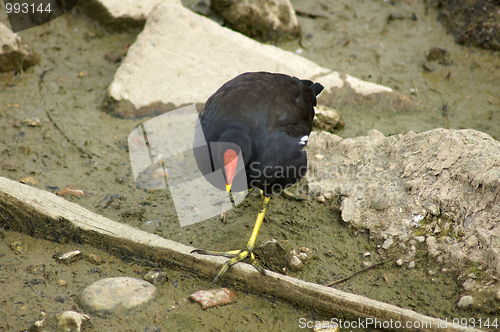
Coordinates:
x,y
473,22
181,58
111,295
327,119
440,55
484,237
387,243
469,284
213,297
94,259
144,82
295,264
121,15
305,254
321,199
62,282
265,20
385,182
14,54
411,264
272,255
135,213
70,321
400,262
420,239
156,277
366,264
471,242
68,257
465,301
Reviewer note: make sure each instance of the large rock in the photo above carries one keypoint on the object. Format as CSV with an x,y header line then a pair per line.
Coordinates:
x,y
442,183
14,54
120,15
182,58
265,20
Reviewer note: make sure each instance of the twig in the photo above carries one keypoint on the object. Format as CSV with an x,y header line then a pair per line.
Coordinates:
x,y
352,275
82,150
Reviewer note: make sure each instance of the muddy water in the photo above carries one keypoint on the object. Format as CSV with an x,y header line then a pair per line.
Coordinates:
x,y
64,121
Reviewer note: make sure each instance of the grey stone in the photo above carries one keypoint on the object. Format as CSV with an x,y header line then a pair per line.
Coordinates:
x,y
120,15
295,264
465,301
469,284
265,20
182,58
112,295
14,54
387,243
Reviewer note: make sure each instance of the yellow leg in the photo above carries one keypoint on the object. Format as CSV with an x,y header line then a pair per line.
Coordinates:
x,y
239,255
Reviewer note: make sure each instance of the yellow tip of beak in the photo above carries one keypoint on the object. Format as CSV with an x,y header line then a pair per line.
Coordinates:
x,y
228,188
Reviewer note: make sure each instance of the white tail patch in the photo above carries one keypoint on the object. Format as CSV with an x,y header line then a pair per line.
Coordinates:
x,y
304,139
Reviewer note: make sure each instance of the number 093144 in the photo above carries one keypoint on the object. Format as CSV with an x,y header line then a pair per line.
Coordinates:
x,y
26,8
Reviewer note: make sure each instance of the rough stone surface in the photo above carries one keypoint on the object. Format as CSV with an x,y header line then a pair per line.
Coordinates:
x,y
14,54
465,301
266,20
182,58
120,15
110,295
442,184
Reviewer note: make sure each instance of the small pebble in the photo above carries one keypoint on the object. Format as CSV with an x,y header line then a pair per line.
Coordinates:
x,y
321,199
366,254
366,264
93,258
121,179
156,277
411,264
213,297
68,257
431,272
62,298
305,252
399,262
387,243
295,264
420,238
465,301
62,282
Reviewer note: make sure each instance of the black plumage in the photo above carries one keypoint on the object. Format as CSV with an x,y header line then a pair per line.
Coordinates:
x,y
257,122
267,117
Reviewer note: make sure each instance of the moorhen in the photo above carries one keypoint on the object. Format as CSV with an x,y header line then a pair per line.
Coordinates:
x,y
255,127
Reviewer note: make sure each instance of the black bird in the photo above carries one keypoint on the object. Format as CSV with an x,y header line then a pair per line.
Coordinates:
x,y
264,119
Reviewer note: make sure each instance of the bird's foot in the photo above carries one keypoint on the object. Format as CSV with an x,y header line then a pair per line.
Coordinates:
x,y
235,257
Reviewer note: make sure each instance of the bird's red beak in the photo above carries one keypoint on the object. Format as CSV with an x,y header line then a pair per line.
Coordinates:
x,y
230,162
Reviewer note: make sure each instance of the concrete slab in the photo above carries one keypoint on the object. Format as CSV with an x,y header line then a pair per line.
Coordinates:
x,y
182,58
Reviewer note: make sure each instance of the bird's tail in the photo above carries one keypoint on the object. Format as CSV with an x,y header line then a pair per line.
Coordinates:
x,y
317,88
